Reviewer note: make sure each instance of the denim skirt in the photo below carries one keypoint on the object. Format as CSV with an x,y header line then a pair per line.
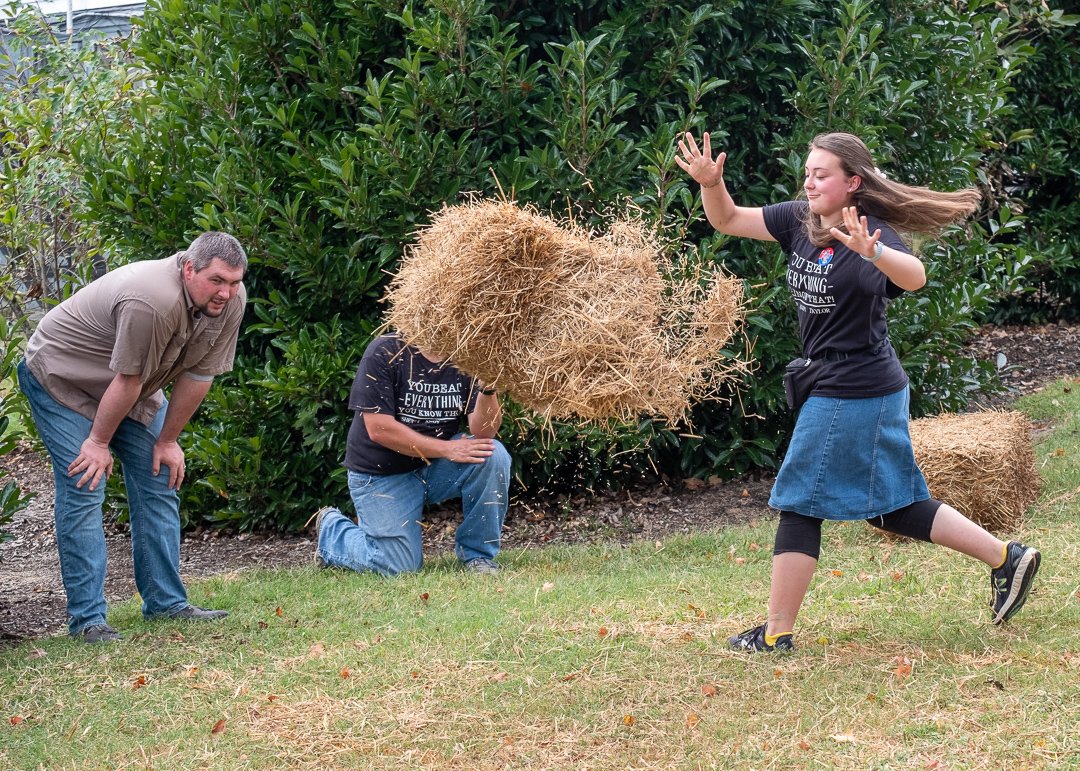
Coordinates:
x,y
850,459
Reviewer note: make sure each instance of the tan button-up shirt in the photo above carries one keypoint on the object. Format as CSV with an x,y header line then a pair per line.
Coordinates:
x,y
135,320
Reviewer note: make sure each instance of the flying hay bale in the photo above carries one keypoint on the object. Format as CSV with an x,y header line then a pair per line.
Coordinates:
x,y
981,464
568,323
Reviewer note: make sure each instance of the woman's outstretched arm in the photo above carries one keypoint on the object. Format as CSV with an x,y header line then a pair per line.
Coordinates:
x,y
720,208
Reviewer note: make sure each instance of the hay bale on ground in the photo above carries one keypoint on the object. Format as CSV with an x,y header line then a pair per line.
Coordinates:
x,y
982,464
569,323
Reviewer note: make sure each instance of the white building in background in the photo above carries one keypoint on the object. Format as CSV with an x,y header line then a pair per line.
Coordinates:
x,y
107,18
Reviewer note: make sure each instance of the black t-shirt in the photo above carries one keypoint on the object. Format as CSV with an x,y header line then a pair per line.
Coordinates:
x,y
841,301
395,379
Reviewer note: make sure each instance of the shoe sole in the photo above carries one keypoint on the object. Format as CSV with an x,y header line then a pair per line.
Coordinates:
x,y
1025,575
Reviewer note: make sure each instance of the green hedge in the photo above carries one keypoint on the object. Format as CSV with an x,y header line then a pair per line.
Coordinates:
x,y
1041,168
323,133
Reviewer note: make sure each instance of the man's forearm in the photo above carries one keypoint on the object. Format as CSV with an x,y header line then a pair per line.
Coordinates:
x,y
114,406
486,417
400,438
186,396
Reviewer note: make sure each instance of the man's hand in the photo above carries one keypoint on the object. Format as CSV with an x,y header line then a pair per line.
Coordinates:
x,y
169,454
95,460
469,450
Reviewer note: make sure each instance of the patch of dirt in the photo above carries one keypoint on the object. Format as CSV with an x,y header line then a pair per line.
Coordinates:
x,y
32,601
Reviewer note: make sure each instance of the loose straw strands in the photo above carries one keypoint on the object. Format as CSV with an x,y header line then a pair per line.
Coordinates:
x,y
569,323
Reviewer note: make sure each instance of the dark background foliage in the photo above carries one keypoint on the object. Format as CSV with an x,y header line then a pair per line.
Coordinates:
x,y
322,133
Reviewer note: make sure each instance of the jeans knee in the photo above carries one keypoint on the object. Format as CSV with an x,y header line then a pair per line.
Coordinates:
x,y
403,559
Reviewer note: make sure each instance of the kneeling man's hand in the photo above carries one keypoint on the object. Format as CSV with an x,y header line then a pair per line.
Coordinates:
x,y
470,450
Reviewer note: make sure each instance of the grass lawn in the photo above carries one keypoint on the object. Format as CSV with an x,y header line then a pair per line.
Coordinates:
x,y
601,657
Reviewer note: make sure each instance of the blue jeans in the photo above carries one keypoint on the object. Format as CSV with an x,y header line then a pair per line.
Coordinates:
x,y
387,539
155,512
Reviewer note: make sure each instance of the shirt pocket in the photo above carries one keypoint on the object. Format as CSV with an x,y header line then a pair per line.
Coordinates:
x,y
199,347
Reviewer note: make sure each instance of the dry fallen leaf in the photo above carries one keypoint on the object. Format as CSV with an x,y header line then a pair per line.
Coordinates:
x,y
897,575
279,612
804,745
603,631
547,587
345,673
424,597
272,697
16,719
219,726
191,671
778,672
843,738
740,560
709,690
692,719
628,720
499,677
837,573
140,681
903,666
315,651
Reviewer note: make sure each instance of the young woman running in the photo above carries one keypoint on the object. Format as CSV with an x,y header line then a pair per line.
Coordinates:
x,y
850,456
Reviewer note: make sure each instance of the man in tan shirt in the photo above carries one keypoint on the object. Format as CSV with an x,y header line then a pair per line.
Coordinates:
x,y
93,375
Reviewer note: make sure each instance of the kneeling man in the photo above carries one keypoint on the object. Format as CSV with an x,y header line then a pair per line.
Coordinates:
x,y
405,449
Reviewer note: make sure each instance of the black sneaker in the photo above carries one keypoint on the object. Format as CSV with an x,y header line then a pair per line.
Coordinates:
x,y
195,613
753,640
96,634
1011,583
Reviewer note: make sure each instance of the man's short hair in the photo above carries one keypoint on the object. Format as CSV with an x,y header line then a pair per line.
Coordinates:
x,y
215,244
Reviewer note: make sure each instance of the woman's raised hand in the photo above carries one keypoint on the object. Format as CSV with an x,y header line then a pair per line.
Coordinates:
x,y
699,163
858,238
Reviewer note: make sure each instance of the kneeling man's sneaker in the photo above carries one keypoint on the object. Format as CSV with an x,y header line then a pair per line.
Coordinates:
x,y
482,565
318,517
1010,584
195,613
753,640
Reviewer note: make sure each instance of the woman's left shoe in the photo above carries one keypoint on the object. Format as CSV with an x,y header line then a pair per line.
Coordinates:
x,y
753,640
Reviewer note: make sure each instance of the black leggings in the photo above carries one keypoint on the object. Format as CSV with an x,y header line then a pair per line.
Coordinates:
x,y
802,534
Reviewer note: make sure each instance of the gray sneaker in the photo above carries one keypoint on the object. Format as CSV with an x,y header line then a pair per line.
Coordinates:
x,y
1010,584
318,529
482,565
195,613
96,634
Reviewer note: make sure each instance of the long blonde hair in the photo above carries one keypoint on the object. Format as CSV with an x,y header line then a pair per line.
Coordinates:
x,y
906,208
